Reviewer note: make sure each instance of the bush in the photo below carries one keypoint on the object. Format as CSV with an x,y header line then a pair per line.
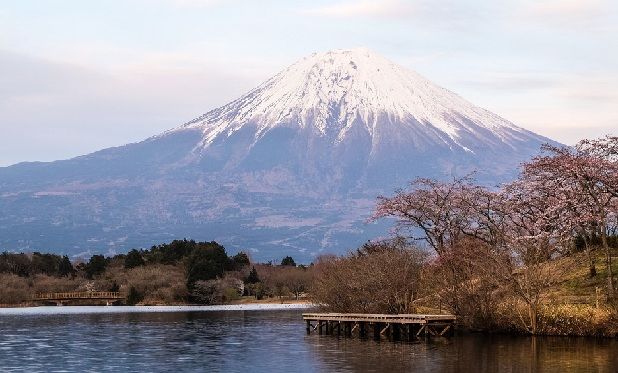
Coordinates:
x,y
469,281
157,283
379,278
230,294
14,289
134,296
207,292
217,291
50,284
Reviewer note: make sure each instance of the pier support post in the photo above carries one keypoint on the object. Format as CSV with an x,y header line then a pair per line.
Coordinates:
x,y
394,327
396,335
376,331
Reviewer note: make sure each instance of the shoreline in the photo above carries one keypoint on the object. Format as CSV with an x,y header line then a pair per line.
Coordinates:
x,y
76,310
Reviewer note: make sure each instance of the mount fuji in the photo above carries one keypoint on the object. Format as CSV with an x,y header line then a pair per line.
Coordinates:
x,y
293,167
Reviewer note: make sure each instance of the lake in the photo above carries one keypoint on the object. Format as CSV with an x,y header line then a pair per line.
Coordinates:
x,y
203,340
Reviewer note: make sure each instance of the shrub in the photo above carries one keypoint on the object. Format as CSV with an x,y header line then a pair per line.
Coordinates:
x,y
134,296
14,289
50,284
207,292
379,278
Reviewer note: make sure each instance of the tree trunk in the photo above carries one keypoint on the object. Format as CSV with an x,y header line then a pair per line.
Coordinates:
x,y
608,260
591,260
532,313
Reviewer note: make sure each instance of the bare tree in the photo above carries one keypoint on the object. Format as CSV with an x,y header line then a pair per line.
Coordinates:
x,y
470,280
296,279
381,277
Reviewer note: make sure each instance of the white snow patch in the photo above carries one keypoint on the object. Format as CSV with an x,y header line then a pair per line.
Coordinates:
x,y
333,91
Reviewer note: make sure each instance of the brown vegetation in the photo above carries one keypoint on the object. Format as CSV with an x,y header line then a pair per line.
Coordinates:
x,y
14,289
511,246
180,272
381,277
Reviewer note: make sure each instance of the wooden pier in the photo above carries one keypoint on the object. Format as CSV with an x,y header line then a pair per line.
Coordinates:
x,y
403,327
108,297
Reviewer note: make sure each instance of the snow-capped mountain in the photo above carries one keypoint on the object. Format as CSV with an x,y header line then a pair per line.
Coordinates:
x,y
292,167
332,93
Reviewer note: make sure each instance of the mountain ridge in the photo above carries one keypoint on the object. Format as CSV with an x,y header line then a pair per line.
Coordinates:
x,y
294,164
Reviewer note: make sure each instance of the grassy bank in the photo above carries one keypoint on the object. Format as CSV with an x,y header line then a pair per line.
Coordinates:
x,y
576,305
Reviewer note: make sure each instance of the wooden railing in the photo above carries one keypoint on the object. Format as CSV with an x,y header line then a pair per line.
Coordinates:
x,y
79,295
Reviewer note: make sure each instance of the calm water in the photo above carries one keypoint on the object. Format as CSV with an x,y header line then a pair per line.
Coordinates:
x,y
266,341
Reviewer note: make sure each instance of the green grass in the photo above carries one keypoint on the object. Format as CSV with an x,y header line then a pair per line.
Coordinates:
x,y
576,282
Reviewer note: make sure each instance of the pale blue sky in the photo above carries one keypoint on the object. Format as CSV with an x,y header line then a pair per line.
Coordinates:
x,y
77,76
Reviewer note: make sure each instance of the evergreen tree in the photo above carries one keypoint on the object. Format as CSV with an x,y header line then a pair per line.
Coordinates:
x,y
253,276
288,261
207,262
96,265
65,267
133,259
240,260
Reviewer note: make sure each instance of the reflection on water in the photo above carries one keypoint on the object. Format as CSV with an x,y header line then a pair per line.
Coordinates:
x,y
261,341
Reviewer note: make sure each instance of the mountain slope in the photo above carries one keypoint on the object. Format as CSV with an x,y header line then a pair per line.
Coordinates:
x,y
292,167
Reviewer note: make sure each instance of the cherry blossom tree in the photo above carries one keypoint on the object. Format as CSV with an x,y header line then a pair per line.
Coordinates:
x,y
534,237
443,212
583,182
522,228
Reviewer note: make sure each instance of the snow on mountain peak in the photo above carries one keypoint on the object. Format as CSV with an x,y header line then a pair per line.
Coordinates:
x,y
335,90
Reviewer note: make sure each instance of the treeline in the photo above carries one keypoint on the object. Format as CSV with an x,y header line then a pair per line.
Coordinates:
x,y
496,254
25,265
179,272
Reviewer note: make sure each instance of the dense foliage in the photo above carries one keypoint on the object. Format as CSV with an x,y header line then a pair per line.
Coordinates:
x,y
134,259
36,263
177,272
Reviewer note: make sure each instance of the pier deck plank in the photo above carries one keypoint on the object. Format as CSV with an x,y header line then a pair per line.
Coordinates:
x,y
394,327
382,318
